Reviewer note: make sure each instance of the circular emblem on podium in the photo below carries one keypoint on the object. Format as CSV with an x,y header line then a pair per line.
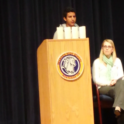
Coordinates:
x,y
70,65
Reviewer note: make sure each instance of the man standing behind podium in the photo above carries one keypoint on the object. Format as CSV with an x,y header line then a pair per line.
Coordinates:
x,y
69,17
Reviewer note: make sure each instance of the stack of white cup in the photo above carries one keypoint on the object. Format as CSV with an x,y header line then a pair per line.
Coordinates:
x,y
71,32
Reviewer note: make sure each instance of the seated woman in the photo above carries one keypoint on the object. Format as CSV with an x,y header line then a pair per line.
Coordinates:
x,y
108,75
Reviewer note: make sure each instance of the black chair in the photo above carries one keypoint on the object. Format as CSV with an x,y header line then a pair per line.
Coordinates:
x,y
101,101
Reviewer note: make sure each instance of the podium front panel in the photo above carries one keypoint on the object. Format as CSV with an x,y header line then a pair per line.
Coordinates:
x,y
69,101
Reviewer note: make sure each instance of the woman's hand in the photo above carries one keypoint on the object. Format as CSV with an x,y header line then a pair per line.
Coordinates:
x,y
113,82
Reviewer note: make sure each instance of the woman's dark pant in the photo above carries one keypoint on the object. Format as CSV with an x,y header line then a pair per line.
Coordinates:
x,y
117,93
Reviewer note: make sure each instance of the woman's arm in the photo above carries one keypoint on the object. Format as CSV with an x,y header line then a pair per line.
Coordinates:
x,y
96,74
120,72
120,69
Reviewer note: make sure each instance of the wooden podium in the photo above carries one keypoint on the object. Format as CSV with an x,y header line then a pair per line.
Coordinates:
x,y
64,101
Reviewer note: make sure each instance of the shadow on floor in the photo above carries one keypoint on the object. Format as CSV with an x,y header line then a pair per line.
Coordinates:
x,y
108,116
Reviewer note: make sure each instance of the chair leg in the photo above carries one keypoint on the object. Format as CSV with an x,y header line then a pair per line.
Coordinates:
x,y
99,111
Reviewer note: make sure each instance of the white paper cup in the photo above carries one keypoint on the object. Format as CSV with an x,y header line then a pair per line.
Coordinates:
x,y
82,32
75,33
60,34
67,32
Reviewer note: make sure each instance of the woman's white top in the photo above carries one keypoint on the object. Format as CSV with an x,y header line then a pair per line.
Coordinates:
x,y
99,72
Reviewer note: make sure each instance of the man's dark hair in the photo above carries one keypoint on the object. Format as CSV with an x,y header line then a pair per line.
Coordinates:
x,y
66,10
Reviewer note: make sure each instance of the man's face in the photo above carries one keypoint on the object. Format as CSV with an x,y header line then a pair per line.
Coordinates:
x,y
70,19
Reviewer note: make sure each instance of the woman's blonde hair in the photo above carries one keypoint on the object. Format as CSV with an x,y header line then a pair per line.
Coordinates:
x,y
113,46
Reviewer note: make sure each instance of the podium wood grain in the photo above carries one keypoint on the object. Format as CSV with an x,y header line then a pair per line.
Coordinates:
x,y
62,101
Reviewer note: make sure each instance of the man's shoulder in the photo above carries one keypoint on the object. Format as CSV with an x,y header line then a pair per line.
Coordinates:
x,y
62,25
76,25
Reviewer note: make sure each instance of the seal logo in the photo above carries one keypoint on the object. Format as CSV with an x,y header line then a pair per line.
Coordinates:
x,y
70,65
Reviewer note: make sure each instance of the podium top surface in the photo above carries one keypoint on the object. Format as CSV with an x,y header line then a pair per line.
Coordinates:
x,y
67,39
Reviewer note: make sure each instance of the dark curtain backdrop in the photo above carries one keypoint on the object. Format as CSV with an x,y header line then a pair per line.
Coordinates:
x,y
24,24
